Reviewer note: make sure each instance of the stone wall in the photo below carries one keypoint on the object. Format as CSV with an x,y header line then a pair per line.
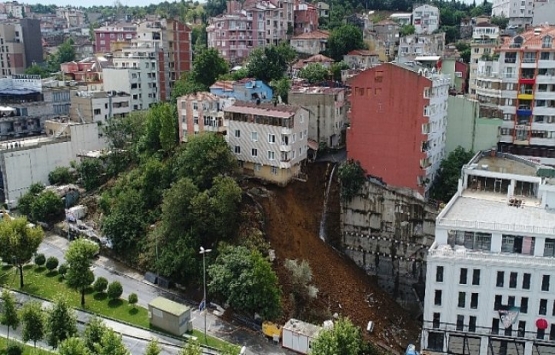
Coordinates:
x,y
387,231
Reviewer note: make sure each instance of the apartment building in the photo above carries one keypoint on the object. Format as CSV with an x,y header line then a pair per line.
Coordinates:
x,y
20,44
413,46
323,9
202,112
425,19
397,127
519,13
99,107
327,108
270,141
544,13
72,16
489,279
14,9
87,71
485,37
106,36
312,42
361,59
246,89
306,18
517,84
247,25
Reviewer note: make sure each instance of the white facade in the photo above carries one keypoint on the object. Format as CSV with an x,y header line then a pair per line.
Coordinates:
x,y
98,106
485,38
425,19
491,270
33,159
298,335
519,12
270,140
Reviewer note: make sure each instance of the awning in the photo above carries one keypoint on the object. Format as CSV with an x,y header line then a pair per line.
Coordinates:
x,y
312,144
428,58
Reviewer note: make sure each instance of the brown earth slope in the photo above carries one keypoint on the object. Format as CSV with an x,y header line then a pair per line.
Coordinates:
x,y
293,217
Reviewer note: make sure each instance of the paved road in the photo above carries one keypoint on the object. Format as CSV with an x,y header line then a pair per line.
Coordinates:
x,y
133,282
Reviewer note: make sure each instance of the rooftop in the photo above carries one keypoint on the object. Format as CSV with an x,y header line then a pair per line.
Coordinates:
x,y
200,96
169,306
362,52
315,90
300,327
263,109
316,34
504,164
531,39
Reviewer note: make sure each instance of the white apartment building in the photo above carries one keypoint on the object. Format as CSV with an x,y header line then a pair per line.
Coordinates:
x,y
99,107
491,269
485,37
425,19
519,12
202,112
270,141
135,72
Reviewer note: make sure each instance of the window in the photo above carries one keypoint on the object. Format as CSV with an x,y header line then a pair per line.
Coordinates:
x,y
271,155
521,328
237,149
271,138
472,324
439,274
500,278
462,299
302,118
526,281
545,283
474,301
552,332
476,277
540,334
497,302
254,152
460,322
96,111
543,307
254,136
437,298
237,133
511,301
257,167
274,170
513,277
524,305
437,320
462,276
495,326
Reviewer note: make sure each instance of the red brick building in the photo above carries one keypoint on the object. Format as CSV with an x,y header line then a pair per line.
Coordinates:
x,y
398,119
106,35
306,18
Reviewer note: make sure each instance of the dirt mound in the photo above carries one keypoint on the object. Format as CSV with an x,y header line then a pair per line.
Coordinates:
x,y
293,217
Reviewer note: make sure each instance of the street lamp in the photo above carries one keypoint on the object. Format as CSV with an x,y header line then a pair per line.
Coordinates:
x,y
204,252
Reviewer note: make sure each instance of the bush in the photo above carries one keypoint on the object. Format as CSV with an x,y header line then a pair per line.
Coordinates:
x,y
14,349
62,270
52,263
61,175
40,259
100,284
115,290
133,299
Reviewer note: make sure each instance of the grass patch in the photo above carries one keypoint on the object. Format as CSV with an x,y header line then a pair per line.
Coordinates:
x,y
39,283
210,341
29,350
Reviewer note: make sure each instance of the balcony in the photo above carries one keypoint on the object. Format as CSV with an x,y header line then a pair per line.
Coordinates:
x,y
524,111
285,148
521,142
527,80
285,130
546,64
525,96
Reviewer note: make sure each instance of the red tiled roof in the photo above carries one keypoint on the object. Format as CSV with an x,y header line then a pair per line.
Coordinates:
x,y
316,34
223,84
531,39
263,109
362,52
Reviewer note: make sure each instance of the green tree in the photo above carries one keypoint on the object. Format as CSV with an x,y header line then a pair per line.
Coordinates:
x,y
208,65
36,69
61,175
79,256
33,319
153,348
93,333
90,171
19,241
111,344
114,290
205,157
464,50
9,316
47,207
406,30
192,347
40,259
344,338
61,322
169,136
344,39
73,346
352,177
52,263
185,86
66,52
246,281
14,349
500,21
26,201
281,88
445,185
314,73
62,270
300,276
124,133
270,62
100,284
336,69
133,299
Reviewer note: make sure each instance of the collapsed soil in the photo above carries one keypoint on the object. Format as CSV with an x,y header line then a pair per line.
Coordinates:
x,y
292,221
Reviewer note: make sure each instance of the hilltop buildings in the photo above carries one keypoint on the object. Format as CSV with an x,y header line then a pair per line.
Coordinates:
x,y
489,281
485,38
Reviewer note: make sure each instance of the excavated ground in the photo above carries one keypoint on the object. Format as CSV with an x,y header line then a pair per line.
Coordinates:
x,y
292,219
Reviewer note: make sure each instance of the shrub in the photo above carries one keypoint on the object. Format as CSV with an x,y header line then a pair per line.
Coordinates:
x,y
52,263
60,175
133,299
100,284
62,270
115,290
14,349
40,259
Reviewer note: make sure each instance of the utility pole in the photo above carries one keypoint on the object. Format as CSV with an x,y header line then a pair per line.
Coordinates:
x,y
204,252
